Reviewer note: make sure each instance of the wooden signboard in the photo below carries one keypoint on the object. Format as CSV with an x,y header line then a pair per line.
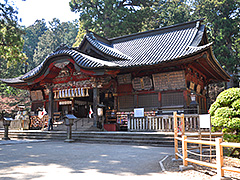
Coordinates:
x,y
137,85
124,78
142,83
192,85
198,88
169,80
36,95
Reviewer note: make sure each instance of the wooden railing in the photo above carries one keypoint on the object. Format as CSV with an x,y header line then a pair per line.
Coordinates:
x,y
219,154
162,123
189,139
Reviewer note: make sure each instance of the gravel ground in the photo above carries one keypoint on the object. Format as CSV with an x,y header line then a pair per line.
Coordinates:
x,y
200,172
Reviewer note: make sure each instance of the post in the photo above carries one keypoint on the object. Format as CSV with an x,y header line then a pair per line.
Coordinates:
x,y
137,124
69,132
6,124
183,124
50,98
95,102
69,119
6,133
184,150
200,145
175,134
219,157
185,165
144,123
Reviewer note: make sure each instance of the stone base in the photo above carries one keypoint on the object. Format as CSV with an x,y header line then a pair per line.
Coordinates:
x,y
6,138
183,168
69,140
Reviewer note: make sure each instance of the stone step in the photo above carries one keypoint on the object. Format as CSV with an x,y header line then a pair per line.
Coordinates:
x,y
141,138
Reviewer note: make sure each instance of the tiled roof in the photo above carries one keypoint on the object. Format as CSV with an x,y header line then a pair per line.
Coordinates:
x,y
140,49
160,48
159,45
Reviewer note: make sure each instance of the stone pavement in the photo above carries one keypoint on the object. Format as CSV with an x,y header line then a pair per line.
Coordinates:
x,y
32,159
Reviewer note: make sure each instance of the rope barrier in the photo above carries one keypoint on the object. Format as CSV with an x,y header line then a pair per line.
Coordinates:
x,y
202,155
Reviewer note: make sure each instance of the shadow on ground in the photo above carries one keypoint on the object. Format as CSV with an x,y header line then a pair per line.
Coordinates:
x,y
58,159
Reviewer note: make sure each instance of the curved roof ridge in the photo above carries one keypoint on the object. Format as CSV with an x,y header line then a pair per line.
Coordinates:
x,y
80,59
173,27
106,49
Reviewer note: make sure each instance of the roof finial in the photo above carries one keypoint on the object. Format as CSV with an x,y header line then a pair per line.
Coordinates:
x,y
92,35
197,24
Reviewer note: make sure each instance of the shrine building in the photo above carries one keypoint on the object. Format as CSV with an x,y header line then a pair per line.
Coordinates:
x,y
155,70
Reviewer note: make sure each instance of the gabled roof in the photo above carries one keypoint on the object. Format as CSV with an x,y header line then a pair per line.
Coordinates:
x,y
140,49
153,47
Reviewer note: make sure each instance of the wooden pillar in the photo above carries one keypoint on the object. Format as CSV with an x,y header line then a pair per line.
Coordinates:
x,y
183,124
50,108
95,103
175,135
219,158
73,112
184,150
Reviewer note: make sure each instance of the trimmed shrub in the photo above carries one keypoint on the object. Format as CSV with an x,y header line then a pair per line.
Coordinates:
x,y
225,114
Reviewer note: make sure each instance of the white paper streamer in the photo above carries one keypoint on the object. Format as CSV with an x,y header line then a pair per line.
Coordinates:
x,y
72,93
79,92
66,93
82,92
60,94
69,93
76,94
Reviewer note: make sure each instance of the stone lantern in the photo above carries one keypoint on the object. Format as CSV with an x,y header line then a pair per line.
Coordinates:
x,y
69,119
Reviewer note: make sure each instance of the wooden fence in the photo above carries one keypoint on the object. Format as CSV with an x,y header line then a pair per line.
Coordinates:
x,y
162,123
217,143
219,154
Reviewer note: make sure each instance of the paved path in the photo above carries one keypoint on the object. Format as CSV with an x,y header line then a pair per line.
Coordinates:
x,y
59,160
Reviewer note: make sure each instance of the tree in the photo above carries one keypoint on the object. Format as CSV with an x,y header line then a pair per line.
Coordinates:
x,y
225,114
31,38
112,18
80,35
58,33
222,19
173,12
11,43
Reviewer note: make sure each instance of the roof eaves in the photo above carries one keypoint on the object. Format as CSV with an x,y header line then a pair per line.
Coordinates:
x,y
12,80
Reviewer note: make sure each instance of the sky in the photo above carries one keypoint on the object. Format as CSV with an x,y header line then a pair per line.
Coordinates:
x,y
31,10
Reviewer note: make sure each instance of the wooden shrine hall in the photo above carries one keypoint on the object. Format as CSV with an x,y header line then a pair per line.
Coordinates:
x,y
155,71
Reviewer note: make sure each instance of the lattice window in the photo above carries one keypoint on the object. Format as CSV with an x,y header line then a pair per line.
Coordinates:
x,y
126,102
148,100
172,99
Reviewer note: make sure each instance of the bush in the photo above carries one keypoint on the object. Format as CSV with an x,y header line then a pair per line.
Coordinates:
x,y
225,114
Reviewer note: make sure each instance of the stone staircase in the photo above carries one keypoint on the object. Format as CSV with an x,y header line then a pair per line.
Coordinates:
x,y
118,137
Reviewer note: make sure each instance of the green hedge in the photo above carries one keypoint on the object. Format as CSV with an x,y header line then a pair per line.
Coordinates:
x,y
225,114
